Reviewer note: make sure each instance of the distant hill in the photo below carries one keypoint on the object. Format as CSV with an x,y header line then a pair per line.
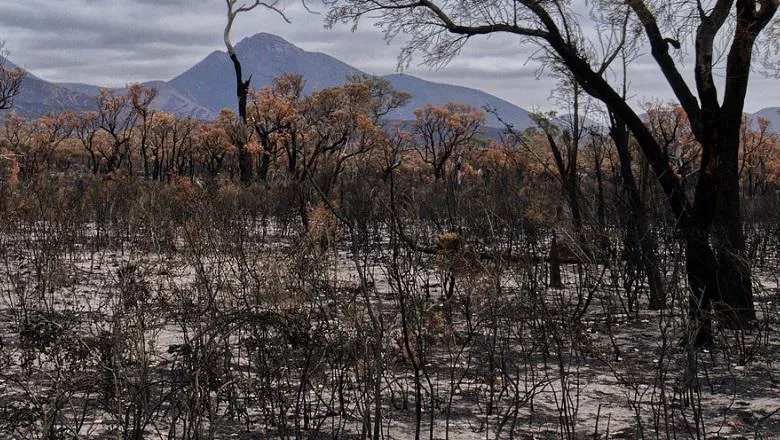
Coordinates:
x,y
210,82
426,92
773,115
173,101
38,97
87,89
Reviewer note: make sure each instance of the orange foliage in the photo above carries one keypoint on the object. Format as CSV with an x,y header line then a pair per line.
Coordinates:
x,y
213,147
446,132
759,157
669,125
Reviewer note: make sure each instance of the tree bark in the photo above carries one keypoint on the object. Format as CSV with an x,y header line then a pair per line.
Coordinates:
x,y
735,305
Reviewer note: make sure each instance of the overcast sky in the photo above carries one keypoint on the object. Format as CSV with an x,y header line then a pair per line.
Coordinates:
x,y
115,42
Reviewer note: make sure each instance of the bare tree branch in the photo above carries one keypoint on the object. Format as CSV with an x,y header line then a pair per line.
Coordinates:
x,y
10,82
660,51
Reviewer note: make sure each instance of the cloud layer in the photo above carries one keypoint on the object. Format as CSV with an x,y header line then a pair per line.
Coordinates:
x,y
123,41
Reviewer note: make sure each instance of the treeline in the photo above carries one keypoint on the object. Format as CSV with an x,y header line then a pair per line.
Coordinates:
x,y
325,137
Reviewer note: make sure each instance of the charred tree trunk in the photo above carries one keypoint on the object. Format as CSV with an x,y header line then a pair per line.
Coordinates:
x,y
702,280
572,195
567,170
242,91
601,214
265,159
733,263
555,264
639,229
145,158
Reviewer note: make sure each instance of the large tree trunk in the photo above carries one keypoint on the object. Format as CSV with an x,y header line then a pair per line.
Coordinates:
x,y
719,272
735,306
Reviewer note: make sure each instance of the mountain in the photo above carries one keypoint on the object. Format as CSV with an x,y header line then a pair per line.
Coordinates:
x,y
38,97
87,89
211,82
426,92
168,98
772,114
171,100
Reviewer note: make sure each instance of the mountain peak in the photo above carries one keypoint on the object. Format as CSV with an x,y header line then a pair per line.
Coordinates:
x,y
268,43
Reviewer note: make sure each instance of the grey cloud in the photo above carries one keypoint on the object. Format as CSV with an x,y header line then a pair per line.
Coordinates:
x,y
483,73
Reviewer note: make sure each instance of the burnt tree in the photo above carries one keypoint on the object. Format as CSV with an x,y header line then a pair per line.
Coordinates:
x,y
718,270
